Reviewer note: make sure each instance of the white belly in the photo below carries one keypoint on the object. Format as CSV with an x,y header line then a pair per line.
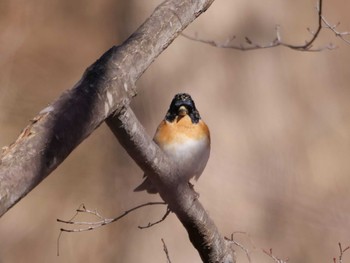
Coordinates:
x,y
191,157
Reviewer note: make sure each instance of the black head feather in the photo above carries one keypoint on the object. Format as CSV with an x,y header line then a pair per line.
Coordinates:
x,y
182,99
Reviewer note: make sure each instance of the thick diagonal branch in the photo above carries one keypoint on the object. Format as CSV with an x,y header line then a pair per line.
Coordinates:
x,y
182,200
106,87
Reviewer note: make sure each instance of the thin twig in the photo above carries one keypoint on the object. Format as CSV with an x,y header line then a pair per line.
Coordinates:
x,y
337,33
157,222
341,253
96,224
307,46
102,222
232,241
166,251
58,243
276,259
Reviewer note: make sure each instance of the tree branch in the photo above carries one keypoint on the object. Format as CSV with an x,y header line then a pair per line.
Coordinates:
x,y
307,46
180,197
106,87
88,225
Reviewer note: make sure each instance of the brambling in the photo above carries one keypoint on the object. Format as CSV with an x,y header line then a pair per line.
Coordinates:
x,y
185,138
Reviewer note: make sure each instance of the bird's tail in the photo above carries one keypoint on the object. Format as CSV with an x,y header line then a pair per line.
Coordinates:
x,y
146,185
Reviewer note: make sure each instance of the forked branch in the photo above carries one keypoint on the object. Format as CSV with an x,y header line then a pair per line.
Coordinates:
x,y
341,253
249,44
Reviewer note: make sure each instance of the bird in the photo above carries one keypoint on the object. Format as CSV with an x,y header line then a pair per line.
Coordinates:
x,y
185,138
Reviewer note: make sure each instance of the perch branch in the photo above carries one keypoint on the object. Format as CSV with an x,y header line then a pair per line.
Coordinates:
x,y
180,197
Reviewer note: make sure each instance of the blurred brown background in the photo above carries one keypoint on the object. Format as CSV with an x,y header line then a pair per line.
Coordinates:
x,y
279,119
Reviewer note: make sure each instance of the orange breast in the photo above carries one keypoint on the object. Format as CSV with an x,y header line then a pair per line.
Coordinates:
x,y
179,130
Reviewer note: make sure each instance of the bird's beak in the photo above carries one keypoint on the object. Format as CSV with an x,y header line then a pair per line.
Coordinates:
x,y
182,111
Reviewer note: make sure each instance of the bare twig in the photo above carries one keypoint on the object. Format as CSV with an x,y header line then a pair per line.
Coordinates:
x,y
166,251
157,222
246,251
341,253
337,33
96,224
307,46
276,259
102,222
58,243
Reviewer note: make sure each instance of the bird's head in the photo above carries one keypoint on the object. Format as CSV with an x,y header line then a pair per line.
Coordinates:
x,y
182,105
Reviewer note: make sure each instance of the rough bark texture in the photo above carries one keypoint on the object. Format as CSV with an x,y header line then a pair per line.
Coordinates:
x,y
107,87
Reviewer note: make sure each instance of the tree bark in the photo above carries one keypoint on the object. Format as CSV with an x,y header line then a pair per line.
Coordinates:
x,y
107,87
